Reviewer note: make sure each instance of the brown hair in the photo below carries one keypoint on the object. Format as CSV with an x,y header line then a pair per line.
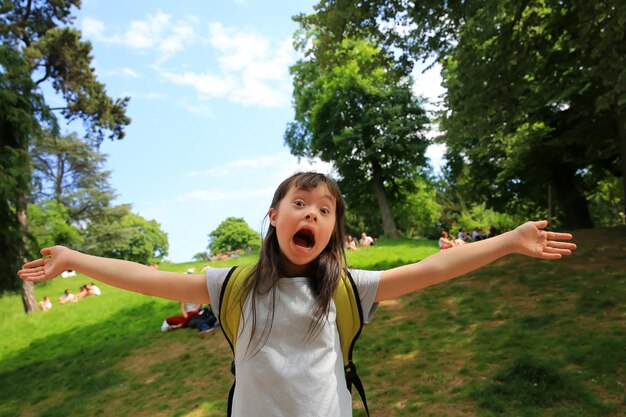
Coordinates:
x,y
327,268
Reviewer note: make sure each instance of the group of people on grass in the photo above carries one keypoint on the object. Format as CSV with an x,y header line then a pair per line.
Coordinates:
x,y
446,241
352,243
69,297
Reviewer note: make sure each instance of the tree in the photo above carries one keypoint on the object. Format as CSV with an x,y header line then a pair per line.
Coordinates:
x,y
18,123
351,109
536,88
38,47
529,84
118,233
49,225
69,170
201,256
231,234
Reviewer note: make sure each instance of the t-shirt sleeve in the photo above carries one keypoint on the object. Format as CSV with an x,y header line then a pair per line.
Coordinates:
x,y
367,285
215,278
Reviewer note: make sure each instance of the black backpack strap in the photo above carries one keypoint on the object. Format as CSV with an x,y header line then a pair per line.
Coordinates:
x,y
352,378
223,314
350,324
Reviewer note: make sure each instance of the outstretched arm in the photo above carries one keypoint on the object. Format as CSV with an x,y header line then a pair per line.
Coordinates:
x,y
122,274
528,239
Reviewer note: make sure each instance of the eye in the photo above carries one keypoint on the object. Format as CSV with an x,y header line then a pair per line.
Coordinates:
x,y
299,203
325,211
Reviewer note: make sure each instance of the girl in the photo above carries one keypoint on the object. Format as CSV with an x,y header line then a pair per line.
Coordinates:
x,y
288,358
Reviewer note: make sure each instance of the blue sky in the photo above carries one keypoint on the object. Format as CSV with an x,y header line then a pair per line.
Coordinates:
x,y
210,98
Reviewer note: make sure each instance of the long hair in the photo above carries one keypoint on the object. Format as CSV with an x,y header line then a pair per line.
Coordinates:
x,y
327,268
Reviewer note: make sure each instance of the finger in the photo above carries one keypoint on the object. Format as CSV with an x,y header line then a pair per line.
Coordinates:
x,y
32,271
46,251
33,264
561,245
557,250
550,256
32,276
541,224
559,236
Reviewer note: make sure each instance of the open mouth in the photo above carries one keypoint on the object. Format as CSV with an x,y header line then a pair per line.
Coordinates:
x,y
304,238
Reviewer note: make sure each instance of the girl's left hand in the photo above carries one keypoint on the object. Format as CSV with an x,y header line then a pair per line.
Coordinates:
x,y
532,240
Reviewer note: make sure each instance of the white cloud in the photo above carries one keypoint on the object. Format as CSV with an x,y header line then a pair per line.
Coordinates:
x,y
214,195
280,165
428,85
146,33
252,70
92,28
156,32
197,108
152,95
436,154
206,84
127,72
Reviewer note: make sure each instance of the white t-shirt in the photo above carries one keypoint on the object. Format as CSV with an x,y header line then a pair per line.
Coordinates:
x,y
293,374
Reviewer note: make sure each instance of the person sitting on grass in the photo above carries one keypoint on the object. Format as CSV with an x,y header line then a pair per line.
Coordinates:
x,y
351,243
366,240
92,289
82,293
67,297
446,242
45,304
188,311
288,357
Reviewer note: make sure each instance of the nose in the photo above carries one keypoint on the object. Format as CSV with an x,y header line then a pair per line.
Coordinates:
x,y
311,216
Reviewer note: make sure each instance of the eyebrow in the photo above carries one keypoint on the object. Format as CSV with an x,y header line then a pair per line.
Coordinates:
x,y
327,196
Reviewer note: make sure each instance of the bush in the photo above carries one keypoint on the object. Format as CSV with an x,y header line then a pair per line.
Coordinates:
x,y
481,217
232,234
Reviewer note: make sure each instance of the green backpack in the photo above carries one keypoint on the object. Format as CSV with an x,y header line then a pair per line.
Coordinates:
x,y
349,321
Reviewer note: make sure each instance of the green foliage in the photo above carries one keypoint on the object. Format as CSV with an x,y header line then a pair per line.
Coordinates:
x,y
70,170
200,256
49,225
353,110
536,91
38,48
18,122
120,234
606,203
418,214
483,218
232,234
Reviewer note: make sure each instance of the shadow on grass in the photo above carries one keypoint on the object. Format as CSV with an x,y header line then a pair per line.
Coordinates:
x,y
532,382
82,372
73,364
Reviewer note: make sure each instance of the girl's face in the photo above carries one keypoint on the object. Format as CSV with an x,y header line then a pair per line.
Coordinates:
x,y
304,222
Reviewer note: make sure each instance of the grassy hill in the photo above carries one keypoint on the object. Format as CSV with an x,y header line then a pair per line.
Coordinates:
x,y
521,337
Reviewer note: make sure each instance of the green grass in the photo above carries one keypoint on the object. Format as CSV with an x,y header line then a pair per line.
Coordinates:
x,y
520,337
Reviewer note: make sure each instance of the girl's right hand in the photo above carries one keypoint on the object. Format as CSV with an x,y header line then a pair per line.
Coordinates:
x,y
54,262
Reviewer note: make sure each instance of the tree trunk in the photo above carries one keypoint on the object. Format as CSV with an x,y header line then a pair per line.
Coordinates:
x,y
621,140
571,201
28,289
389,224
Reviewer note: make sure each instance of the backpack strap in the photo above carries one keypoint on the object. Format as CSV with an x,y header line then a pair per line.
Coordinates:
x,y
349,325
231,306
